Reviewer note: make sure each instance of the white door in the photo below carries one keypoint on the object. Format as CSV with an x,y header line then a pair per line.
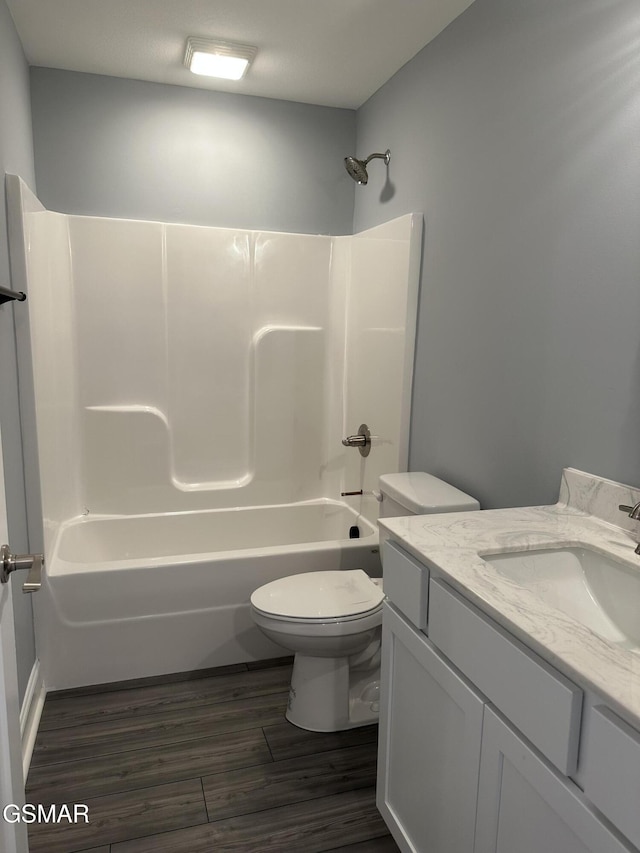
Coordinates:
x,y
13,836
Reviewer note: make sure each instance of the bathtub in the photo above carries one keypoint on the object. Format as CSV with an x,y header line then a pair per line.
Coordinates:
x,y
132,596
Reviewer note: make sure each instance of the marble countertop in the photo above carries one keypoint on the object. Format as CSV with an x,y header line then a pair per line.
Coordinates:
x,y
586,515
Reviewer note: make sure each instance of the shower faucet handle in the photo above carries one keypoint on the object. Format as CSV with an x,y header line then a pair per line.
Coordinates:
x,y
362,440
355,440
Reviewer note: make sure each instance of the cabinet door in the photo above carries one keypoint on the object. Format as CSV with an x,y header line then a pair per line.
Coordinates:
x,y
526,806
429,752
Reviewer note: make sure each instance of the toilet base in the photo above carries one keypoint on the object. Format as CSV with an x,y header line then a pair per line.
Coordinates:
x,y
328,695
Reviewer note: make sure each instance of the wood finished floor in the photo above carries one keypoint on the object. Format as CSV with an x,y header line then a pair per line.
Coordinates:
x,y
202,763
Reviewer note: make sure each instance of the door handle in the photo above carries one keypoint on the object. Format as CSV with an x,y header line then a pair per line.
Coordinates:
x,y
11,562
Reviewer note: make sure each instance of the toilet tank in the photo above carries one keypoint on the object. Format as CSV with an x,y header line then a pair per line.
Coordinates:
x,y
417,493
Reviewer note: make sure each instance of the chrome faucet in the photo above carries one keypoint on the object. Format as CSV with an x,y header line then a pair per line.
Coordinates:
x,y
634,513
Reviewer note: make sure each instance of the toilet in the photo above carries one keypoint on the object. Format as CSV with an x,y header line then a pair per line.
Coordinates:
x,y
332,620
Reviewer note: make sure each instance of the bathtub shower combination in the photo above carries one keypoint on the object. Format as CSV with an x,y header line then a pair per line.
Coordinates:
x,y
185,394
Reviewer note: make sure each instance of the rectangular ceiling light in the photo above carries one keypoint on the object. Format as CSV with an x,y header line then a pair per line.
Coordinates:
x,y
215,58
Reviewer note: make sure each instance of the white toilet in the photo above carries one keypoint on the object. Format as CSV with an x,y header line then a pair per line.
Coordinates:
x,y
332,620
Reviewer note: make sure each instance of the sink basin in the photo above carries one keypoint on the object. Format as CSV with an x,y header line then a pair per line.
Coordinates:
x,y
595,590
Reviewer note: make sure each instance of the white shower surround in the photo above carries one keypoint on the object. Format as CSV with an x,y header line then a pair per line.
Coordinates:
x,y
182,373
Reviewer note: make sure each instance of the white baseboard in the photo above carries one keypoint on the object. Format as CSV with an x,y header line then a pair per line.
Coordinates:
x,y
30,714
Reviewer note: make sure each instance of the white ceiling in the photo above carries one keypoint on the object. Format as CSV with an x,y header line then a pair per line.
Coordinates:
x,y
332,52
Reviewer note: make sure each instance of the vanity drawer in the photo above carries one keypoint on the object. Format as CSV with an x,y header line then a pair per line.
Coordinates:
x,y
543,704
406,583
612,770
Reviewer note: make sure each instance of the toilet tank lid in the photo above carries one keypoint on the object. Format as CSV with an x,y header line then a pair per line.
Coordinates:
x,y
423,493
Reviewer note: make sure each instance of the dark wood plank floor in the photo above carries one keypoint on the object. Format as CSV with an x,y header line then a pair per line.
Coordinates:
x,y
202,763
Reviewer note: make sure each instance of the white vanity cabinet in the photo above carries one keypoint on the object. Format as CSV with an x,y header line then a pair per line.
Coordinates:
x,y
430,734
526,806
479,736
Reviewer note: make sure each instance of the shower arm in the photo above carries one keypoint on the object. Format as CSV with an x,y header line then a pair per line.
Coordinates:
x,y
386,157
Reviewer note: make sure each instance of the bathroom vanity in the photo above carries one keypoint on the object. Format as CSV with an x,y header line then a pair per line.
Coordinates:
x,y
510,713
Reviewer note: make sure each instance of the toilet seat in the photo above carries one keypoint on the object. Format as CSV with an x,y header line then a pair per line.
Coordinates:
x,y
322,629
319,597
325,620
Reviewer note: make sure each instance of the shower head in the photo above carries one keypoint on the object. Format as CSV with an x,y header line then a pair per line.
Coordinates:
x,y
357,169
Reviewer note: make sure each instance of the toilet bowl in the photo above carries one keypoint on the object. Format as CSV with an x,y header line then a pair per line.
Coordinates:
x,y
332,621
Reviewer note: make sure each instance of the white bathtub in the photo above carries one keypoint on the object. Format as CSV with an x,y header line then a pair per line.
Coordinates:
x,y
132,596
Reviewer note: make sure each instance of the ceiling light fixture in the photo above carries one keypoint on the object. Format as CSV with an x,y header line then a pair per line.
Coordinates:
x,y
215,58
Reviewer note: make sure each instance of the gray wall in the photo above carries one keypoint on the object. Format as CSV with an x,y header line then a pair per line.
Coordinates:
x,y
16,156
114,147
517,133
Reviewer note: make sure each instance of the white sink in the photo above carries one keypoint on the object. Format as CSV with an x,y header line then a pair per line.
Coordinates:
x,y
595,590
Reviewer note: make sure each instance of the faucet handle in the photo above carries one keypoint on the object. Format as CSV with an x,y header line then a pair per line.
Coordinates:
x,y
632,511
355,440
361,440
